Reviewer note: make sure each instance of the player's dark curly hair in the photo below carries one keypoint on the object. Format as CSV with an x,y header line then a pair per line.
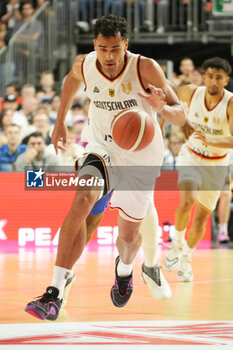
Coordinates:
x,y
110,25
218,63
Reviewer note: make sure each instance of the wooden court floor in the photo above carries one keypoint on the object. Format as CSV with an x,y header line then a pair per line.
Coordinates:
x,y
25,273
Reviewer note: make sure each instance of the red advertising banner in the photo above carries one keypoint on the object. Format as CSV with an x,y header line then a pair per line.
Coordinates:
x,y
33,218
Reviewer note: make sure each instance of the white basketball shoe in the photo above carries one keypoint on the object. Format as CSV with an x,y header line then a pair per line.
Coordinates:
x,y
185,273
156,282
172,260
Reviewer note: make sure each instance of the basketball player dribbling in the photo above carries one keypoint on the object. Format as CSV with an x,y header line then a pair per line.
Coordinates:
x,y
151,273
203,160
115,79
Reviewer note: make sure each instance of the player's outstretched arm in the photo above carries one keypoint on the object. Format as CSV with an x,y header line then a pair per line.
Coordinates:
x,y
162,98
72,84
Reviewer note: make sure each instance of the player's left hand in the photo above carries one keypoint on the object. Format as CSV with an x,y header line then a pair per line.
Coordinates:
x,y
156,99
198,134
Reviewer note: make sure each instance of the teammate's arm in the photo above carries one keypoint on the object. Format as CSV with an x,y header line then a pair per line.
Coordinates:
x,y
223,142
72,84
162,98
185,93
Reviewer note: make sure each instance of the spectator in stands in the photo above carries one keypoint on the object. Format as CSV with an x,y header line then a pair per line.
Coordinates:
x,y
36,156
196,77
115,7
175,142
47,11
38,4
30,40
40,122
79,123
2,35
40,95
23,117
34,29
81,96
55,106
10,102
6,118
3,66
47,83
89,11
13,88
76,108
46,102
28,90
145,10
187,68
162,15
10,15
12,149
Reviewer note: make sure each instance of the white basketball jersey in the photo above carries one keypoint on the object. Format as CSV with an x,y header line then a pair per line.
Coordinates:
x,y
110,96
213,122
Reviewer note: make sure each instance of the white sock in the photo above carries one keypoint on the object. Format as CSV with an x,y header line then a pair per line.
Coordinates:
x,y
124,270
223,228
60,275
179,235
149,231
187,250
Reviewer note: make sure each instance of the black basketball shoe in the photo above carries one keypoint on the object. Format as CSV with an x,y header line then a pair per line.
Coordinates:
x,y
47,306
122,289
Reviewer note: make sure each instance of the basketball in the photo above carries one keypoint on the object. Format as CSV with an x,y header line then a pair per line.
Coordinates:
x,y
133,129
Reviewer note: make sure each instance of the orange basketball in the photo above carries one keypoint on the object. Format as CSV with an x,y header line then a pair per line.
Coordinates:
x,y
133,129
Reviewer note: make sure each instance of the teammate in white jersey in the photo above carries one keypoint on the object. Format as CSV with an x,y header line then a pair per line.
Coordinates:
x,y
115,80
203,160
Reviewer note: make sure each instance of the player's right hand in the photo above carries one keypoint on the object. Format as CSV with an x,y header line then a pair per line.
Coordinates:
x,y
59,137
156,99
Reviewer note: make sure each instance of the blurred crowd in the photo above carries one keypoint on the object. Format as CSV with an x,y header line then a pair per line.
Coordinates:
x,y
13,14
27,118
